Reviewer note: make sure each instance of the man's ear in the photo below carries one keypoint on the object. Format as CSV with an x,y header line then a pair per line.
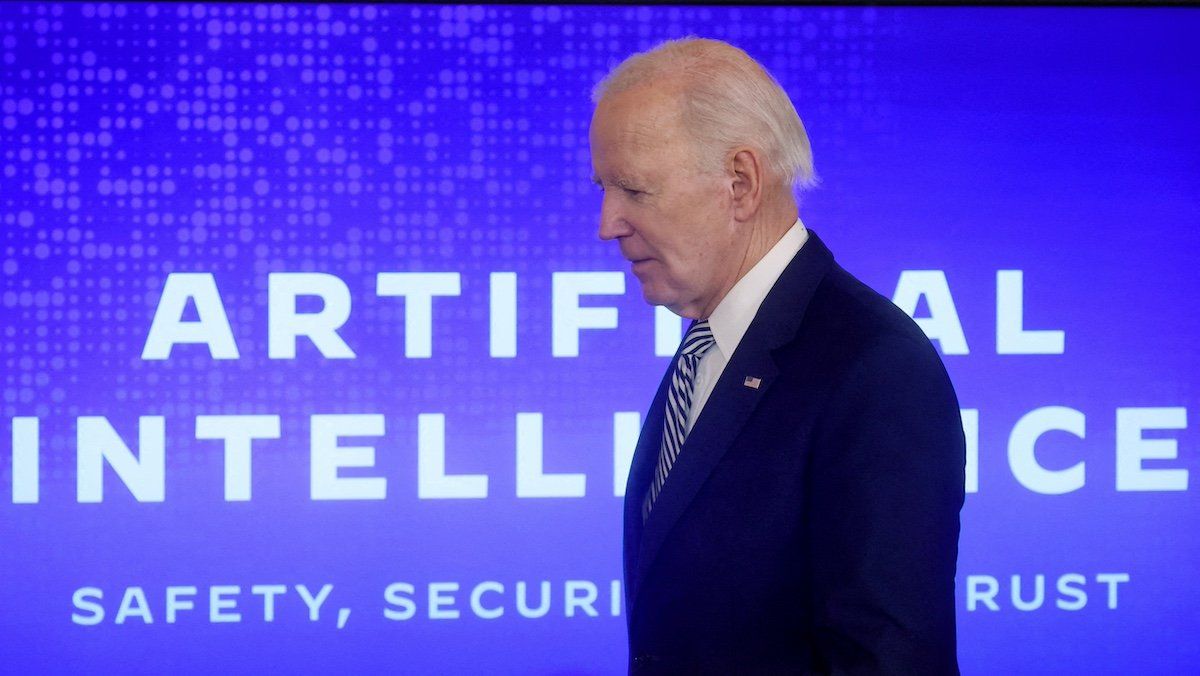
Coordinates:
x,y
746,170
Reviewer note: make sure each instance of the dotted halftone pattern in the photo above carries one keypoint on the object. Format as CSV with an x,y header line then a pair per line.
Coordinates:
x,y
140,140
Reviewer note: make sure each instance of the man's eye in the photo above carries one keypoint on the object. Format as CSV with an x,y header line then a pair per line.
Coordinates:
x,y
632,192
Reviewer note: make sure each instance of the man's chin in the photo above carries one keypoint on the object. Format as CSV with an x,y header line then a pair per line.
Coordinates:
x,y
657,297
653,295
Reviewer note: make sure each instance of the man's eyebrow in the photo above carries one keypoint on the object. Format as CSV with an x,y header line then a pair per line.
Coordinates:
x,y
622,181
619,181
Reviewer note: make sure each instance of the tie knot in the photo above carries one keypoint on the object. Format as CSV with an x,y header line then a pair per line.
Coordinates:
x,y
698,339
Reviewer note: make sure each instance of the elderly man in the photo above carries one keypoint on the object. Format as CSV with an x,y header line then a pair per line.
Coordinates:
x,y
793,500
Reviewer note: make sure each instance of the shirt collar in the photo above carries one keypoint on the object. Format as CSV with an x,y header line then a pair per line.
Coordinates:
x,y
736,310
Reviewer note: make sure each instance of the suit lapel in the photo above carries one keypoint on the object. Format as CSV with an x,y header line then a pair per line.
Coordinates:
x,y
725,414
641,469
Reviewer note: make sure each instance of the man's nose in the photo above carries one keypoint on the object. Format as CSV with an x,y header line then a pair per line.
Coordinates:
x,y
612,223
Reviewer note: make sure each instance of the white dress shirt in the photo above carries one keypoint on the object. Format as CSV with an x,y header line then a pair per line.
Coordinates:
x,y
736,310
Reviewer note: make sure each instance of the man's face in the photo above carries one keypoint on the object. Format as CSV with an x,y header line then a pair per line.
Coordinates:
x,y
674,223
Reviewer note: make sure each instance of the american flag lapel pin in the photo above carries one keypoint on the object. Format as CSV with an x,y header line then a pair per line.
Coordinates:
x,y
752,382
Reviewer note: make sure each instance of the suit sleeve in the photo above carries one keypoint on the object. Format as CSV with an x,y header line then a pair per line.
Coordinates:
x,y
885,486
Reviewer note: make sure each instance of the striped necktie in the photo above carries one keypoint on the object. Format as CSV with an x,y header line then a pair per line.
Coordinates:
x,y
698,340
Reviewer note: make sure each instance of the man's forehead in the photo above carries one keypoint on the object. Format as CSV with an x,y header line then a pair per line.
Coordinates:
x,y
641,117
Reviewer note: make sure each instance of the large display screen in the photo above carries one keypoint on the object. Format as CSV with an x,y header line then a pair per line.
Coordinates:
x,y
312,360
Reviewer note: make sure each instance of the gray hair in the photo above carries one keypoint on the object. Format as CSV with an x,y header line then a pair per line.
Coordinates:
x,y
729,99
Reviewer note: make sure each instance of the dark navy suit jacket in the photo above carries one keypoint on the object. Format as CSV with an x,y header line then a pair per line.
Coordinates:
x,y
810,525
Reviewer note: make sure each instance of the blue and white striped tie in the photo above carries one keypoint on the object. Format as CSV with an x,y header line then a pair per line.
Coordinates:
x,y
698,340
